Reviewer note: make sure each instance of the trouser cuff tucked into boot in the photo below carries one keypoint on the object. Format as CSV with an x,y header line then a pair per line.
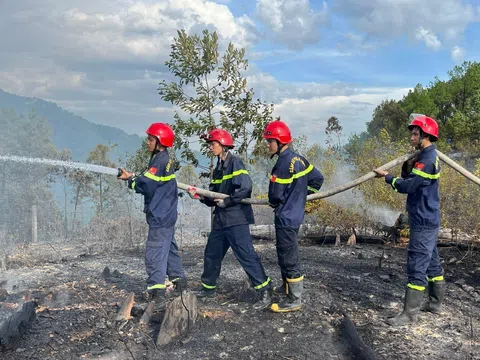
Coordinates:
x,y
207,291
266,296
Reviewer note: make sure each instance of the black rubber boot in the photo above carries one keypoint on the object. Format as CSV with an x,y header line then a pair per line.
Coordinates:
x,y
413,301
206,294
265,301
293,301
180,285
282,289
158,298
436,292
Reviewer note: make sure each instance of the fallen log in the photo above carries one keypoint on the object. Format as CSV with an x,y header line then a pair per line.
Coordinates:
x,y
13,326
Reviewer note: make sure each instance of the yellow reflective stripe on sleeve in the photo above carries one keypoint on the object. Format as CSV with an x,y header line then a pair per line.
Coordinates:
x,y
425,175
295,176
262,285
159,178
229,176
393,183
436,278
416,287
294,280
209,286
280,180
157,286
312,189
133,185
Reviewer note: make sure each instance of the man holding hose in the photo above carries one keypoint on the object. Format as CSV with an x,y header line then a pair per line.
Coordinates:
x,y
423,207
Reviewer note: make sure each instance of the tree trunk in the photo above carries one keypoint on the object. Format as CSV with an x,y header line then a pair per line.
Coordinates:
x,y
65,212
101,195
34,224
77,195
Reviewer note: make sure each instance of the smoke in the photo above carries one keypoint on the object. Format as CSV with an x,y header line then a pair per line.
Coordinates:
x,y
353,199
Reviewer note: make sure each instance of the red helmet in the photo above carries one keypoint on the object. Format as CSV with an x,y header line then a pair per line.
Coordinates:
x,y
278,130
427,124
220,135
163,132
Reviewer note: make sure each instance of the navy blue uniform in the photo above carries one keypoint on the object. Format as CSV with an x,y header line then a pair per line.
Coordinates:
x,y
159,188
423,207
291,180
231,225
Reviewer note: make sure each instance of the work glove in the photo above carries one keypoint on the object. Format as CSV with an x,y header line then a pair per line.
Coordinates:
x,y
192,192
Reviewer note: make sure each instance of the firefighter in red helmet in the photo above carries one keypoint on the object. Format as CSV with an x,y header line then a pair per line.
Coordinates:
x,y
421,184
231,221
159,188
292,179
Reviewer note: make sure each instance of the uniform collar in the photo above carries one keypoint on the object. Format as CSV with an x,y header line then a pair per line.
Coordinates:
x,y
429,148
160,155
285,152
224,163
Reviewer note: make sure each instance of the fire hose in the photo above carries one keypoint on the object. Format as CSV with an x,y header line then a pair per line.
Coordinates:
x,y
344,187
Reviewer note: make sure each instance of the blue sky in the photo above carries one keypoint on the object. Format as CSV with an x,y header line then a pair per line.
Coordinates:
x,y
314,59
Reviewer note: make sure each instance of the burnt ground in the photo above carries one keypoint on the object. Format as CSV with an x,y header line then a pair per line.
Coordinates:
x,y
77,306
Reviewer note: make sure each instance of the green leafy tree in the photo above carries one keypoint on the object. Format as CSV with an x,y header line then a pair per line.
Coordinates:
x,y
334,130
418,101
211,90
388,116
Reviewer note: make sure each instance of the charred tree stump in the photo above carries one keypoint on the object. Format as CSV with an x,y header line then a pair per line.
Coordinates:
x,y
13,326
179,316
337,240
147,314
352,240
126,309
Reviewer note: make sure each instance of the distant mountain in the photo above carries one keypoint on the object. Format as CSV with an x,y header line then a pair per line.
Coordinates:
x,y
72,131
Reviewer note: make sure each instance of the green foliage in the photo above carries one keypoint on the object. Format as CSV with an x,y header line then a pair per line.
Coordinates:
x,y
211,90
333,130
391,117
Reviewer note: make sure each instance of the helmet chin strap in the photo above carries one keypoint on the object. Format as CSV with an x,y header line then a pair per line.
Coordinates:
x,y
420,143
279,149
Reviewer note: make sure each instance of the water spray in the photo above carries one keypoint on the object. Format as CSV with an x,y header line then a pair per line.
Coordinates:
x,y
60,163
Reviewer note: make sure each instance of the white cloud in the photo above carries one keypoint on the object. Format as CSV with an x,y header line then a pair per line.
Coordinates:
x,y
309,117
147,30
40,79
293,22
444,20
104,59
307,106
430,39
458,54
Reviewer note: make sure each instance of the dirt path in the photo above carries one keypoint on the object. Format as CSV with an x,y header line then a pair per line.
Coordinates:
x,y
77,305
